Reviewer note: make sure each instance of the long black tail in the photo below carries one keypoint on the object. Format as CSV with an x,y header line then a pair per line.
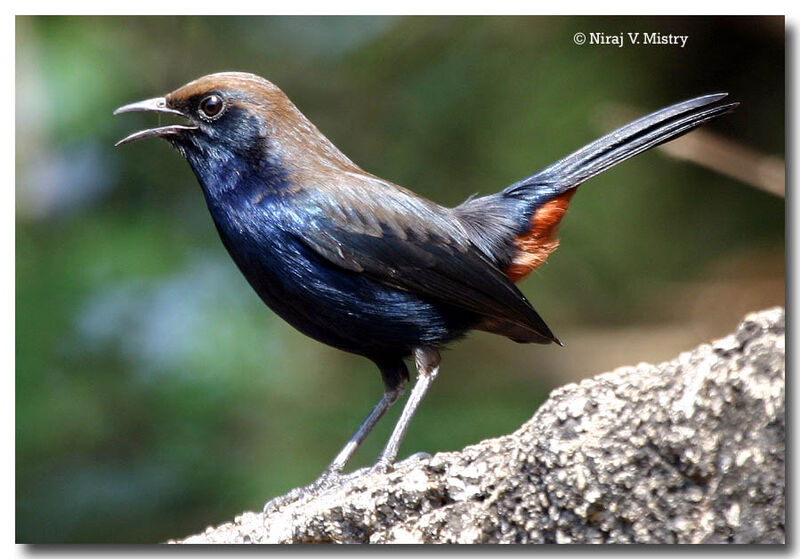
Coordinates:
x,y
505,225
498,221
632,139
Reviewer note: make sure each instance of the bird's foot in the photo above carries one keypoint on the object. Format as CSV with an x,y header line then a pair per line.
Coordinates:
x,y
416,457
328,481
381,467
325,482
331,480
385,467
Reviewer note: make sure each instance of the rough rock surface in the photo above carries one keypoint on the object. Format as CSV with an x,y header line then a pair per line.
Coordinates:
x,y
688,451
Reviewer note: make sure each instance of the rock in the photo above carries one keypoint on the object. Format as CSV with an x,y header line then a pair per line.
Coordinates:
x,y
688,451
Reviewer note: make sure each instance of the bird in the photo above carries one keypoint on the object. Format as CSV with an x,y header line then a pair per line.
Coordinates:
x,y
367,266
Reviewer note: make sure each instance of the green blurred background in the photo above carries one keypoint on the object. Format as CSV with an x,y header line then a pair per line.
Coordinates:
x,y
156,394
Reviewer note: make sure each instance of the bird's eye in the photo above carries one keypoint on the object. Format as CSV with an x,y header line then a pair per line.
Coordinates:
x,y
212,106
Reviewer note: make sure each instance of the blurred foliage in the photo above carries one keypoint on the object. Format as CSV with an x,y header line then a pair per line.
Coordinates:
x,y
155,394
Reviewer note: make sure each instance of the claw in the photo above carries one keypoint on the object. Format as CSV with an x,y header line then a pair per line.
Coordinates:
x,y
381,467
327,482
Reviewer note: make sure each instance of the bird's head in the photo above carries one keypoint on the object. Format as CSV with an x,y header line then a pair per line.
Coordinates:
x,y
227,108
237,124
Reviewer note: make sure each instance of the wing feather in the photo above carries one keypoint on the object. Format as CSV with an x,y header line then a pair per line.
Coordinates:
x,y
417,246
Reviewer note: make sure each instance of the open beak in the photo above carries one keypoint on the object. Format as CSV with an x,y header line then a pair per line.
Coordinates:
x,y
156,105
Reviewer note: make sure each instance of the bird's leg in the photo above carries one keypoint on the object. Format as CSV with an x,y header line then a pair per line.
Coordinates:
x,y
389,397
333,473
427,360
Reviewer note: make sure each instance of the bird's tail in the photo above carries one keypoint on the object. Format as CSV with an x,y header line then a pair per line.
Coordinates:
x,y
530,210
632,139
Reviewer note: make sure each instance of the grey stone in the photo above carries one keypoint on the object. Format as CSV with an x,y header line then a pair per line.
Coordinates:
x,y
688,451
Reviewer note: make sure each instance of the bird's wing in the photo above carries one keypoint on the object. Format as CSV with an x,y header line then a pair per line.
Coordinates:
x,y
417,246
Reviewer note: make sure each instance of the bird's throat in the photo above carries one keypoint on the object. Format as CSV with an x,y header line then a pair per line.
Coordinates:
x,y
226,177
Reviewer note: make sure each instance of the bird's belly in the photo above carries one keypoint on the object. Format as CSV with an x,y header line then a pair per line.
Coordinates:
x,y
341,308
